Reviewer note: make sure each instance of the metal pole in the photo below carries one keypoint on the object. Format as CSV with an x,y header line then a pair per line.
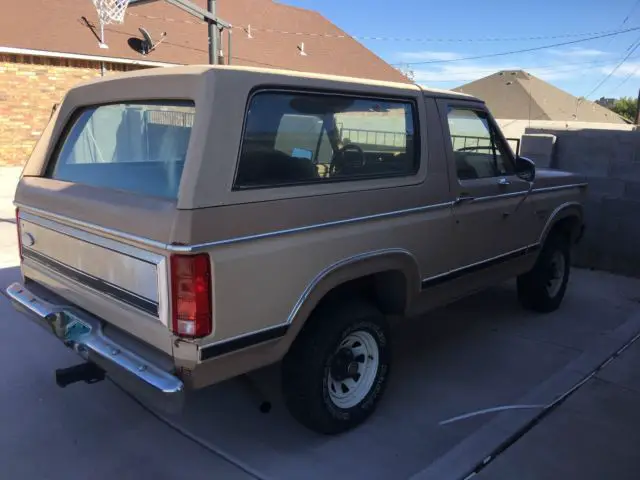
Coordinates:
x,y
102,68
213,34
637,119
208,16
228,46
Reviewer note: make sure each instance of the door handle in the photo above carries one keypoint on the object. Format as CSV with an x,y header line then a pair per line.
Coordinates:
x,y
464,198
504,181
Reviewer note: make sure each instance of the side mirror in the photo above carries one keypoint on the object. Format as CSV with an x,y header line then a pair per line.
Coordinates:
x,y
525,169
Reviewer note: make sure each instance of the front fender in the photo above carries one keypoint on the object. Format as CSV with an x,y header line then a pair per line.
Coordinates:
x,y
566,210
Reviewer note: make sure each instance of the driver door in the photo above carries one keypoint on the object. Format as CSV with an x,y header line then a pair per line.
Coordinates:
x,y
490,210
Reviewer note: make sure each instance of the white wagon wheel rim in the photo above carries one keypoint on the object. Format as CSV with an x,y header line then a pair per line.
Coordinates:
x,y
353,371
557,266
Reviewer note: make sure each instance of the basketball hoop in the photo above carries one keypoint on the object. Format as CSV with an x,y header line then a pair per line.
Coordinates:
x,y
109,11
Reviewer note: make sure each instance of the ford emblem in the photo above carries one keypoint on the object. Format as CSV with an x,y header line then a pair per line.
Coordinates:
x,y
28,240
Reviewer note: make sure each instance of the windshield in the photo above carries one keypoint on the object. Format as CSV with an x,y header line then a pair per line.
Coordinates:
x,y
137,147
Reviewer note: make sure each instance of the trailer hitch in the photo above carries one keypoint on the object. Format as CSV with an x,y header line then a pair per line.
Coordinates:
x,y
87,372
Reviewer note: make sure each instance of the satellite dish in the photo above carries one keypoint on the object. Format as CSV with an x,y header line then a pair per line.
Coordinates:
x,y
148,45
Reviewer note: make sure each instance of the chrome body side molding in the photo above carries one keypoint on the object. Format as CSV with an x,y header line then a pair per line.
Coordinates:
x,y
203,246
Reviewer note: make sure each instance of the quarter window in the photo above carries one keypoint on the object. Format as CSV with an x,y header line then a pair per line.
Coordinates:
x,y
295,138
477,149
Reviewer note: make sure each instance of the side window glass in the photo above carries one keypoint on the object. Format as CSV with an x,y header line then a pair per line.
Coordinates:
x,y
292,138
477,151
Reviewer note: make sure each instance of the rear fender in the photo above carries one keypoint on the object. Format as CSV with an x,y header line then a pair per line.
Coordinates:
x,y
345,270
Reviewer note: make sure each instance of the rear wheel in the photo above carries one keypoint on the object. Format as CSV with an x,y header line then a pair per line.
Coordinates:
x,y
543,288
337,368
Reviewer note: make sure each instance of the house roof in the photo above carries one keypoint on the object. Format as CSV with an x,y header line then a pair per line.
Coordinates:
x,y
60,26
515,94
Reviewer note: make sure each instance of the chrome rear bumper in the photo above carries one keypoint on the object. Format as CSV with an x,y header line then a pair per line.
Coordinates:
x,y
84,334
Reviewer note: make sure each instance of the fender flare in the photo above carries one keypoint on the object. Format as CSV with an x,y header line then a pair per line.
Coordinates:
x,y
566,210
347,269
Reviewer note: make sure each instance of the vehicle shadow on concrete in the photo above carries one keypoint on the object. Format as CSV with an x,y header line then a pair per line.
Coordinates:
x,y
449,364
54,433
478,353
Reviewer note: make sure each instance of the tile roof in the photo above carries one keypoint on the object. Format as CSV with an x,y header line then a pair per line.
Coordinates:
x,y
60,26
515,94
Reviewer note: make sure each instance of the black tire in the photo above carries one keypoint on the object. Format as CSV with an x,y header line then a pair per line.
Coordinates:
x,y
307,365
533,293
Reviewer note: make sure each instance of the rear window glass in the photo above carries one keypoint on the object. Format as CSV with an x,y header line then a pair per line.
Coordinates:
x,y
137,147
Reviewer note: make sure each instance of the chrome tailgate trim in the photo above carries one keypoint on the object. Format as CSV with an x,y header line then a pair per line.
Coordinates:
x,y
95,283
122,271
88,237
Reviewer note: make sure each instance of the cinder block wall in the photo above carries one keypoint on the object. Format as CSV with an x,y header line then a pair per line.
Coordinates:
x,y
610,160
29,86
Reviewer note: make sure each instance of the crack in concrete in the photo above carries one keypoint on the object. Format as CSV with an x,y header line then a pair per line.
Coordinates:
x,y
194,438
502,448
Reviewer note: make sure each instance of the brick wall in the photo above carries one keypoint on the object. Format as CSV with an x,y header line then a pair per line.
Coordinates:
x,y
29,87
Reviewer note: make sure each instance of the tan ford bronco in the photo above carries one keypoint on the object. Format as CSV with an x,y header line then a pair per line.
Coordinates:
x,y
182,226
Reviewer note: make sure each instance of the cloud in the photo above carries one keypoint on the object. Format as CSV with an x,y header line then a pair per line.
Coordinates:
x,y
465,72
458,72
577,52
626,69
427,55
556,65
549,74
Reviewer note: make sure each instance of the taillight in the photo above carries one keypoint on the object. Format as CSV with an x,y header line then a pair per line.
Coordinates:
x,y
19,233
191,295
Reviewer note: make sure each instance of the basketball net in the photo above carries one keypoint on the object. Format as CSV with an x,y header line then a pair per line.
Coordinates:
x,y
109,11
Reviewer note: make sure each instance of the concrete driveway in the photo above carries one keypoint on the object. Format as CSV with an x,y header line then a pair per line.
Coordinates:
x,y
479,353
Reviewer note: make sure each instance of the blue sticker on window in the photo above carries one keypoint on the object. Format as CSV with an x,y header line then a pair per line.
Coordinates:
x,y
302,153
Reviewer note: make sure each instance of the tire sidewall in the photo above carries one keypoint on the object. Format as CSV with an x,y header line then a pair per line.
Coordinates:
x,y
367,404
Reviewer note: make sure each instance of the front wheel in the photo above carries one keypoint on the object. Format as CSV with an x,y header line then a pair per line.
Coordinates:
x,y
337,368
543,288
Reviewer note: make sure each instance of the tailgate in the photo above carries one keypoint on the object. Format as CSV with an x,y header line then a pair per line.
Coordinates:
x,y
121,283
98,204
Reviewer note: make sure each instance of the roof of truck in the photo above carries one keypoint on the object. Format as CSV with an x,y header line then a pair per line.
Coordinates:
x,y
199,69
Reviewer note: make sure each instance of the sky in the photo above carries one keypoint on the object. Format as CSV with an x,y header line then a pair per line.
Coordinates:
x,y
446,33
